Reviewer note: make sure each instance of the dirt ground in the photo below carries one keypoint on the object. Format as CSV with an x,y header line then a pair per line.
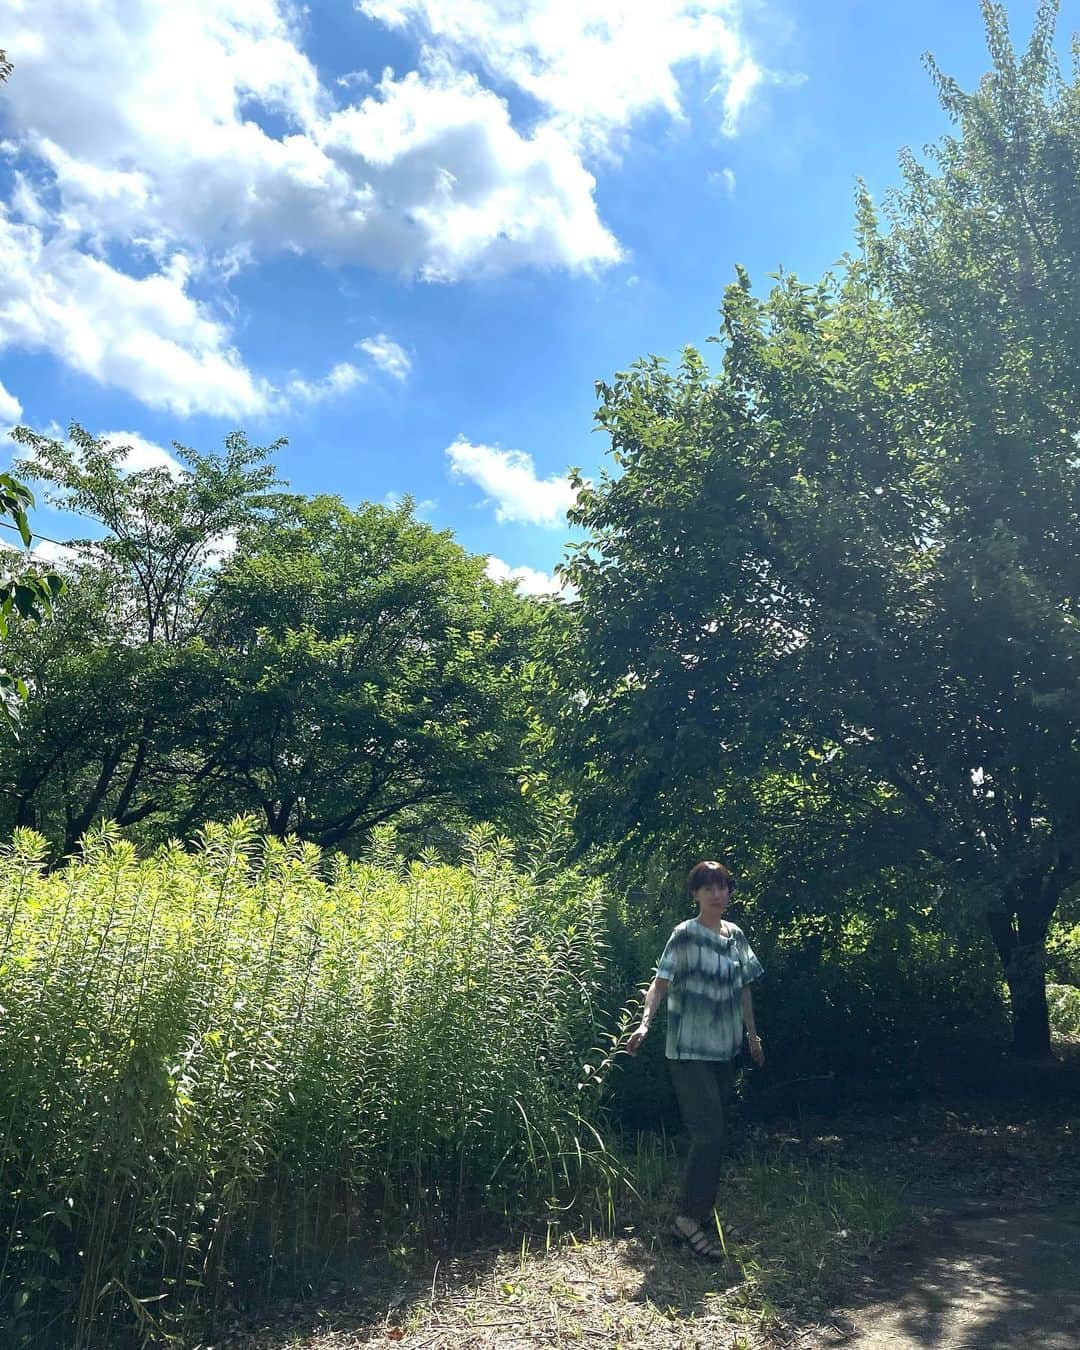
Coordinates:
x,y
984,1278
988,1258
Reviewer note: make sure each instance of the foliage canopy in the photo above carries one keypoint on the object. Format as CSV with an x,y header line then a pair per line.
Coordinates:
x,y
225,647
845,570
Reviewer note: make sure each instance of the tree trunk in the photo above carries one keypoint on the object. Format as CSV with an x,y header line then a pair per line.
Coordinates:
x,y
1026,978
1020,938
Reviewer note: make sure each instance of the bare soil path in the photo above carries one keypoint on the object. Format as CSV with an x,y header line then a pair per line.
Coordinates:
x,y
984,1278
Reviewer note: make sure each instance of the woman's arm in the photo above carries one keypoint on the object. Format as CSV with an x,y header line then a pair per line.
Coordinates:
x,y
656,994
746,998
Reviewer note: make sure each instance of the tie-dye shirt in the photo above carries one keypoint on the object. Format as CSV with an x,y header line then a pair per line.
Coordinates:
x,y
707,972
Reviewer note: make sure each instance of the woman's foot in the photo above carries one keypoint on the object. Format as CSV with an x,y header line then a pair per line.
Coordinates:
x,y
700,1243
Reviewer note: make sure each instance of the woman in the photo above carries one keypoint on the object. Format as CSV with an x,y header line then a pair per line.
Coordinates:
x,y
708,967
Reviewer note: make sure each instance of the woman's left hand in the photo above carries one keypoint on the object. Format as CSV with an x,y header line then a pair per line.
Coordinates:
x,y
757,1053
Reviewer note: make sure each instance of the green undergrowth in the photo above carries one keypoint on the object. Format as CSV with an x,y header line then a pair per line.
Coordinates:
x,y
1063,1001
225,1069
792,1225
796,1226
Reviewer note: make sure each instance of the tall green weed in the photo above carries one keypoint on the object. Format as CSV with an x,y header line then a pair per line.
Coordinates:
x,y
222,1064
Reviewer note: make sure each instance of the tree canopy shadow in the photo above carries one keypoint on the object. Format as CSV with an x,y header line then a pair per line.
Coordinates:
x,y
982,1278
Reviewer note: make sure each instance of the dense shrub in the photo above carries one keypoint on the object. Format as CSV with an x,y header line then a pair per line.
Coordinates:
x,y
1063,949
1063,991
1064,1001
224,1063
880,1000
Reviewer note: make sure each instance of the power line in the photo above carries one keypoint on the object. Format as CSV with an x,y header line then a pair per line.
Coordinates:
x,y
60,543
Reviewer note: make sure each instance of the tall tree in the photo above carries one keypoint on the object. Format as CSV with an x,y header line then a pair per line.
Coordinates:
x,y
361,669
328,668
982,260
853,558
109,722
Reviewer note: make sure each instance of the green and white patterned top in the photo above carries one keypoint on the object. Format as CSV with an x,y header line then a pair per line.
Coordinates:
x,y
707,972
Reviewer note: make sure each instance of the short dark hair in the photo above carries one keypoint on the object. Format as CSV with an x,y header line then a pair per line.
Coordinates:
x,y
705,873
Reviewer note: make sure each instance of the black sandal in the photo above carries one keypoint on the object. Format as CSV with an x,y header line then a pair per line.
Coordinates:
x,y
699,1242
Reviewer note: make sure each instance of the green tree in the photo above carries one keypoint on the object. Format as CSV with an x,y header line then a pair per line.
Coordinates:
x,y
330,669
110,725
360,668
850,563
24,592
981,258
160,531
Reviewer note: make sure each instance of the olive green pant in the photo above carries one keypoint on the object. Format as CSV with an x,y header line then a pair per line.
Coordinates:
x,y
703,1088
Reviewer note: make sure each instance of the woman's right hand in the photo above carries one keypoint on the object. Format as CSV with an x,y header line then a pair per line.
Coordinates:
x,y
633,1044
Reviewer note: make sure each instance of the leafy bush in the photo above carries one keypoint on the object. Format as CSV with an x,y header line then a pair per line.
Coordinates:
x,y
1063,987
1063,952
1064,1002
245,1059
872,999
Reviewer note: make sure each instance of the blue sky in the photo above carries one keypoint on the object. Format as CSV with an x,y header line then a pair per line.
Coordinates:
x,y
410,235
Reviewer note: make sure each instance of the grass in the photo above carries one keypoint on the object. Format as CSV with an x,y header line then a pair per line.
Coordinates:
x,y
227,1071
795,1221
816,1213
789,1223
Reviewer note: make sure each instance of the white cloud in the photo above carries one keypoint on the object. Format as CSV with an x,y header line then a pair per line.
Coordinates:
x,y
143,334
736,91
42,551
343,377
388,355
198,136
724,178
135,123
221,548
422,509
354,79
528,580
141,453
54,554
10,408
426,175
508,478
452,188
592,65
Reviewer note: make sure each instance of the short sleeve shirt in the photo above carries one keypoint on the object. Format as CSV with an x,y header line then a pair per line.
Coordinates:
x,y
707,972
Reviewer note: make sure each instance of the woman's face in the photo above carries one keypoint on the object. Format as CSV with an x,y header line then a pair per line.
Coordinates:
x,y
713,898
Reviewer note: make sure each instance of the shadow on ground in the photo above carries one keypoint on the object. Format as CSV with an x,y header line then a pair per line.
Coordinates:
x,y
983,1278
